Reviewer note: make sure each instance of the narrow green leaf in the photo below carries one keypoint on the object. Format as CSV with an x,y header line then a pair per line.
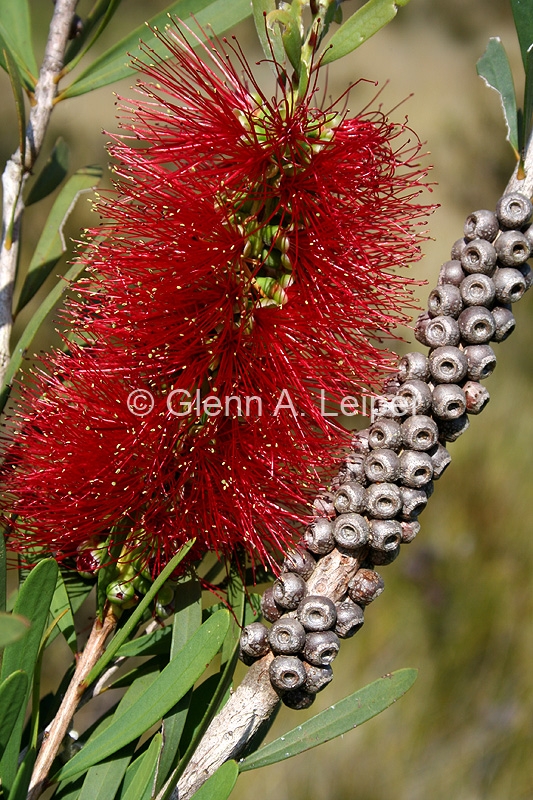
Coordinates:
x,y
366,21
77,588
176,679
13,692
94,24
103,780
494,68
135,618
220,785
19,790
15,29
145,776
153,644
269,34
528,101
215,15
61,610
523,20
18,96
52,245
33,602
3,572
149,667
51,175
12,628
334,721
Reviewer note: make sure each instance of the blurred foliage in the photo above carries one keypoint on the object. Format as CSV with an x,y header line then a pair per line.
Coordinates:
x,y
459,599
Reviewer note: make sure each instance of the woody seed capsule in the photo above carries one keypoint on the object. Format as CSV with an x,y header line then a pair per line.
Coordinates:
x,y
419,432
317,678
410,531
481,224
512,248
510,285
318,537
350,531
449,401
476,396
477,290
321,648
414,502
254,640
413,366
323,505
481,361
513,210
270,610
299,561
350,497
317,613
457,249
479,256
447,365
350,619
527,274
353,469
360,442
298,699
420,327
417,395
289,590
441,459
476,325
383,500
380,558
385,534
451,429
451,272
365,586
445,301
286,636
441,331
386,434
287,672
416,468
380,466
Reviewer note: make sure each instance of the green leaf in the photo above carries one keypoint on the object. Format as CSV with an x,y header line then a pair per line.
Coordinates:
x,y
18,96
269,34
51,175
13,692
494,68
366,21
33,602
123,681
61,610
3,572
97,20
334,721
103,780
528,101
113,65
52,245
19,790
175,680
523,19
145,776
220,785
153,644
12,628
15,29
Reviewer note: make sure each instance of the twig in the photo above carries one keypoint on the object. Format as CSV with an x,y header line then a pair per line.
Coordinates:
x,y
18,167
59,727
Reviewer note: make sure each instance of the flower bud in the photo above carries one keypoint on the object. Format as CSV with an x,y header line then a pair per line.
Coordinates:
x,y
120,593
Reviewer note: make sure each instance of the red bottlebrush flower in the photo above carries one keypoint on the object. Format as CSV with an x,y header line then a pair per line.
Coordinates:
x,y
245,271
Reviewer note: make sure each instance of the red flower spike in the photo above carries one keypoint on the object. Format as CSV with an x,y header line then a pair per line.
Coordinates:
x,y
246,267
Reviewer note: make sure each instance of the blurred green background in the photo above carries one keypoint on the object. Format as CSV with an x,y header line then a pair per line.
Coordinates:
x,y
458,602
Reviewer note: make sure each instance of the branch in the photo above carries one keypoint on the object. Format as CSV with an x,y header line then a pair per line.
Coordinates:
x,y
17,169
522,177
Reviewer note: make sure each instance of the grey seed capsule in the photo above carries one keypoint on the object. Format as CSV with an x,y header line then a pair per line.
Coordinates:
x,y
383,499
419,432
381,465
317,678
386,434
298,699
417,395
449,401
451,429
414,502
441,460
391,385
317,613
286,636
385,534
318,537
350,619
254,640
287,672
477,397
289,590
360,442
416,468
299,561
527,274
479,256
510,285
410,531
477,325
420,327
381,558
350,497
441,331
365,586
445,301
323,505
451,272
478,290
429,488
481,225
447,365
481,360
350,531
512,248
513,210
457,249
352,469
413,366
270,610
321,648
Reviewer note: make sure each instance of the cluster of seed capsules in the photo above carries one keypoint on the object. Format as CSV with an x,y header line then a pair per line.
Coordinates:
x,y
384,483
